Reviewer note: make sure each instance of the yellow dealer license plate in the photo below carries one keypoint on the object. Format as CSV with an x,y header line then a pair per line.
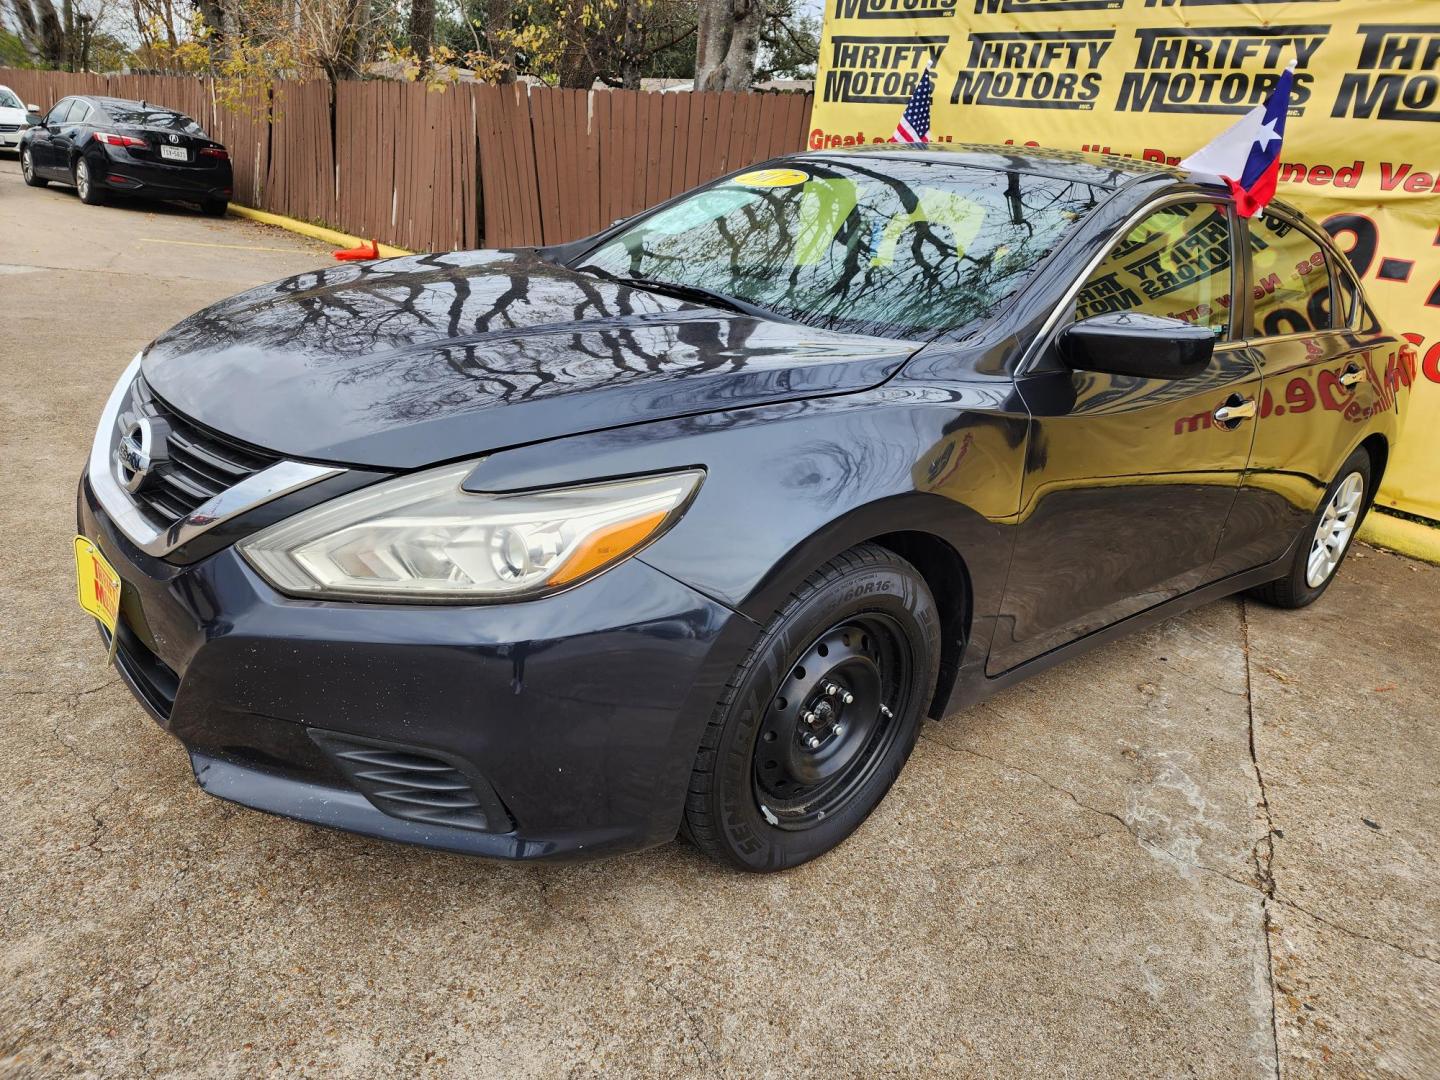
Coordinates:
x,y
97,585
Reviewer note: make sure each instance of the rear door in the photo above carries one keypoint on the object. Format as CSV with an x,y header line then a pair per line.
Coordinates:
x,y
1322,359
1129,481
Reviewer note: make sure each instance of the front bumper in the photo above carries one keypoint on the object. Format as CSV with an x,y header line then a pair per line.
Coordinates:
x,y
581,712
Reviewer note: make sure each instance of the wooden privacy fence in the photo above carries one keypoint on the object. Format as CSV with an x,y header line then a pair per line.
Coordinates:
x,y
470,166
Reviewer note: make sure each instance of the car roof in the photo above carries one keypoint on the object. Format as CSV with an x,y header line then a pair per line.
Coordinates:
x,y
1109,171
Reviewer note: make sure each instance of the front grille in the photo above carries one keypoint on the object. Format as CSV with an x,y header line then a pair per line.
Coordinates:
x,y
200,464
416,784
9,127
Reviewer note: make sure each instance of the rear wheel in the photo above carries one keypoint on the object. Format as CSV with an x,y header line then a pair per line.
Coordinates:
x,y
1326,541
90,193
214,207
817,721
27,169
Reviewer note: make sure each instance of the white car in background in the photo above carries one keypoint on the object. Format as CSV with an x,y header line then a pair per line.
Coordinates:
x,y
14,118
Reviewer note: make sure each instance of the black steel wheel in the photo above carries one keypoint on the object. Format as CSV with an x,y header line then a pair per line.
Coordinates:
x,y
831,721
819,717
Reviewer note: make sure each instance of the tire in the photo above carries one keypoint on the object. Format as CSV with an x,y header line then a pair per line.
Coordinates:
x,y
214,207
27,170
90,193
1341,511
761,796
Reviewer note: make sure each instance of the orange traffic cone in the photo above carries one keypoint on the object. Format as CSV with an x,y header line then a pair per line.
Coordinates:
x,y
368,249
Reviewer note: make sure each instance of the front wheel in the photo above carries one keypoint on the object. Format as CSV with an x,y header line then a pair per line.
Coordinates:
x,y
1326,540
91,194
27,170
817,721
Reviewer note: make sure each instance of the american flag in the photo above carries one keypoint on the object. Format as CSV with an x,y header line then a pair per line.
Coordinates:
x,y
914,123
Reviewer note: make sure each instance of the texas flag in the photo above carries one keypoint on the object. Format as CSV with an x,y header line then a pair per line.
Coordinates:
x,y
1247,155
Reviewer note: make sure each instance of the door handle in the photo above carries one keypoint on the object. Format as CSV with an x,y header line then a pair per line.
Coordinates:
x,y
1234,410
1352,375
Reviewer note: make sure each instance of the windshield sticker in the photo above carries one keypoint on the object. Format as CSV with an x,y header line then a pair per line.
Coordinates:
x,y
772,178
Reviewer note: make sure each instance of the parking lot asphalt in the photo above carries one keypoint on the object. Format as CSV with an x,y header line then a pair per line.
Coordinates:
x,y
1207,850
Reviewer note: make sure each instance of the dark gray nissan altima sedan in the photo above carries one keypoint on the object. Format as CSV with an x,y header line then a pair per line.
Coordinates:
x,y
685,527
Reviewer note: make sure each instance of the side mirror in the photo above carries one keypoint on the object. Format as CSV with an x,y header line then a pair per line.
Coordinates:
x,y
34,109
1136,344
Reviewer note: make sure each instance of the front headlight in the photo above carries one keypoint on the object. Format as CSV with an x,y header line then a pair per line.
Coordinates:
x,y
423,538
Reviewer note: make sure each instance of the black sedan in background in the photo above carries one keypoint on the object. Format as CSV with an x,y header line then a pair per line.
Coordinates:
x,y
101,145
688,525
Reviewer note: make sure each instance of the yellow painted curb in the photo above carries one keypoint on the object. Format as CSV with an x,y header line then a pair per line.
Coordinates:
x,y
315,232
1402,535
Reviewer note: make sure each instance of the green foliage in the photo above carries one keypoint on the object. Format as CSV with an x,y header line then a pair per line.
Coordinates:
x,y
790,43
109,53
676,61
12,53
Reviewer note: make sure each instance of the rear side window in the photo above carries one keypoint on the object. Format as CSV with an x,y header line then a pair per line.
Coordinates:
x,y
59,111
78,113
1291,279
1175,263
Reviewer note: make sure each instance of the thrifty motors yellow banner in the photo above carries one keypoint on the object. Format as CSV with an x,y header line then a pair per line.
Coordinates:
x,y
1157,79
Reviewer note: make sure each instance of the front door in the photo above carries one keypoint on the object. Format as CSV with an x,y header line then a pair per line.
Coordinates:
x,y
63,139
1129,481
42,143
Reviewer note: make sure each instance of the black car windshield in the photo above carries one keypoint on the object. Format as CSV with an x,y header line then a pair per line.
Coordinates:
x,y
134,115
904,249
9,100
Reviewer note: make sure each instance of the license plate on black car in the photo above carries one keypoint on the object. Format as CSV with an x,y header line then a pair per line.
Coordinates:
x,y
174,153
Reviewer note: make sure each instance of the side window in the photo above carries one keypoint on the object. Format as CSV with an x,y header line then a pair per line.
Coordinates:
x,y
1175,263
1291,279
78,113
58,113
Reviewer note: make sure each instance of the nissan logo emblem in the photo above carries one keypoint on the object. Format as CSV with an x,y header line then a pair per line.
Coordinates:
x,y
140,450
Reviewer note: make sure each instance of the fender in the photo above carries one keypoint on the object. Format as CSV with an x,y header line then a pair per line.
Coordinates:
x,y
816,477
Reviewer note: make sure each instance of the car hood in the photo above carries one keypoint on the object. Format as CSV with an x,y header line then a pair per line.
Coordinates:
x,y
12,116
406,362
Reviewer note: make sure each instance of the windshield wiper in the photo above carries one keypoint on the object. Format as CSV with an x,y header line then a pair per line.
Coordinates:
x,y
697,293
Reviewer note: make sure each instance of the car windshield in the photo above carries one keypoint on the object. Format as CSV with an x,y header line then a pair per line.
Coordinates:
x,y
901,250
151,116
8,100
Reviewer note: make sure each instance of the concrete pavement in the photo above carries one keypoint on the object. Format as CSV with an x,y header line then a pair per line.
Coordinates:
x,y
1208,850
